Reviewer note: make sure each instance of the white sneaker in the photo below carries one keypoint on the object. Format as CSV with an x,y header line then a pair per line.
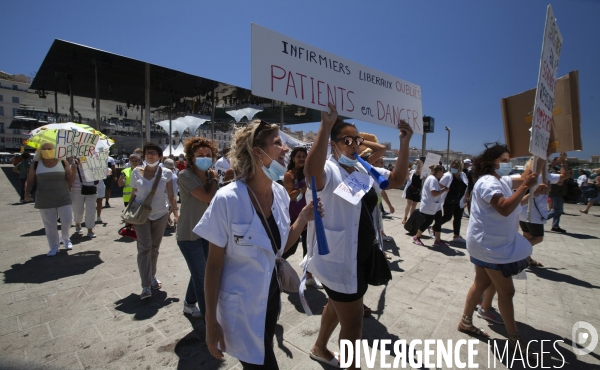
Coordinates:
x,y
459,239
313,282
156,284
78,230
67,244
146,293
91,235
52,252
431,232
192,310
99,219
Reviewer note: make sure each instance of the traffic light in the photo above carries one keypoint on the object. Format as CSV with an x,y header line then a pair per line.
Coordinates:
x,y
428,124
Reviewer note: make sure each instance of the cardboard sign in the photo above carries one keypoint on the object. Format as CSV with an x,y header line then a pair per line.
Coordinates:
x,y
94,166
77,144
354,187
431,160
294,72
544,98
566,124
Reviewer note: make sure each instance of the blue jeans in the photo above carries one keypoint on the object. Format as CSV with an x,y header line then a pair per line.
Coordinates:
x,y
195,254
558,204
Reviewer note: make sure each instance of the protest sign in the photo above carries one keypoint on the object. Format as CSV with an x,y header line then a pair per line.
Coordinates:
x,y
431,160
544,98
94,166
292,71
566,124
71,143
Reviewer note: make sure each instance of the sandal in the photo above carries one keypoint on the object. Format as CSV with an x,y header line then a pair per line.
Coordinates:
x,y
513,339
534,263
582,211
466,326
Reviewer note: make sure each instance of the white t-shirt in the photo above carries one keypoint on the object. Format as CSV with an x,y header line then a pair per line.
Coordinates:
x,y
221,166
175,186
430,205
582,180
492,237
143,187
111,162
539,213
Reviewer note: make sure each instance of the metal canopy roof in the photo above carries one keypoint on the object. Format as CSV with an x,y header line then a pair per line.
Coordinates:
x,y
121,79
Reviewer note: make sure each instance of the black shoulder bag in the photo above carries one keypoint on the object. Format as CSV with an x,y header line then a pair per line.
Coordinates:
x,y
86,189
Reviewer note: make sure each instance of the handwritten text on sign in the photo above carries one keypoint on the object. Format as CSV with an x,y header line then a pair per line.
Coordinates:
x,y
292,71
354,187
75,144
544,98
94,166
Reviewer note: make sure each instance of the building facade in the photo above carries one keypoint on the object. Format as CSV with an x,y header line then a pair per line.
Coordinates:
x,y
13,90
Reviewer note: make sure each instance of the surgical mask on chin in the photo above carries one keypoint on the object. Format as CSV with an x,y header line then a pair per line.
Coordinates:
x,y
275,171
48,153
151,164
504,169
344,160
203,163
454,170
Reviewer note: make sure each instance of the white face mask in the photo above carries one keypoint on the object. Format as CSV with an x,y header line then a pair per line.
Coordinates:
x,y
275,171
152,164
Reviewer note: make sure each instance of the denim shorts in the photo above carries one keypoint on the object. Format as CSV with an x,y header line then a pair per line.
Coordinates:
x,y
507,269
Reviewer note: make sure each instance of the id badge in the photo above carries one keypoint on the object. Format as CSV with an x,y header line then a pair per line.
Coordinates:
x,y
354,187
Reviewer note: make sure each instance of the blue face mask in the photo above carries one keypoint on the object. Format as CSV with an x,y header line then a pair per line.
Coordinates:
x,y
454,170
203,163
344,160
275,171
504,169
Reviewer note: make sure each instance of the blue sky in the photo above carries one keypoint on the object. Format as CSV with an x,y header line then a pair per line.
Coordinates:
x,y
465,55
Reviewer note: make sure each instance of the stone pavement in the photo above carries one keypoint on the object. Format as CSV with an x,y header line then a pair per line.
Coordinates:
x,y
81,309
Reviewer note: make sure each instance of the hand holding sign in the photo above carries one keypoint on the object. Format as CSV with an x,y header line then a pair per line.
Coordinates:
x,y
406,132
328,119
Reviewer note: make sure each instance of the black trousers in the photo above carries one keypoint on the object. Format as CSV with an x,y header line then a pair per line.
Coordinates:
x,y
435,219
270,324
453,210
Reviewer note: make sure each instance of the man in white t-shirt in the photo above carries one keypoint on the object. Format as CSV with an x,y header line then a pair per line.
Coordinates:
x,y
582,181
222,165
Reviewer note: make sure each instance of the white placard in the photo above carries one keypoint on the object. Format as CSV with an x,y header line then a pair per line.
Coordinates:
x,y
94,166
70,143
430,160
294,72
354,187
544,97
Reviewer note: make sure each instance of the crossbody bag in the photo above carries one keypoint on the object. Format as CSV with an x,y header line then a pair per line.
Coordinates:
x,y
137,213
86,189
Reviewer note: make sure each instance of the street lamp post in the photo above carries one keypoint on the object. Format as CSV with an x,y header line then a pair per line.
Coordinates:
x,y
448,148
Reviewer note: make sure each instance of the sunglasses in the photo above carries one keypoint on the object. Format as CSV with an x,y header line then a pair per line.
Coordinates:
x,y
261,126
348,140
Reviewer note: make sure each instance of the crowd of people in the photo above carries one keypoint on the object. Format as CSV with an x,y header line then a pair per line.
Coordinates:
x,y
240,216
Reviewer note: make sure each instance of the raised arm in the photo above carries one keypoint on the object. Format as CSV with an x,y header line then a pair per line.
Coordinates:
x,y
398,176
315,161
378,151
505,206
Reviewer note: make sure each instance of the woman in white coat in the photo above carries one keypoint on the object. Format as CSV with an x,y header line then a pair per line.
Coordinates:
x,y
454,200
349,227
431,206
247,225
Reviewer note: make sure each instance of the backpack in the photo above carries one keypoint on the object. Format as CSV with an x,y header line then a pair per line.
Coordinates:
x,y
414,221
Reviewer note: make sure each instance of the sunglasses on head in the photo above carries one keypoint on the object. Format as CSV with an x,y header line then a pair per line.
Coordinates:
x,y
262,125
348,140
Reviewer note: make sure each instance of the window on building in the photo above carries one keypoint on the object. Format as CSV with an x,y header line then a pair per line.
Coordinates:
x,y
1,128
1,98
15,99
2,139
15,87
16,131
1,111
15,111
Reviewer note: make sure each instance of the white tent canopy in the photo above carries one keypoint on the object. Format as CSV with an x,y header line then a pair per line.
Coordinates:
x,y
248,112
176,151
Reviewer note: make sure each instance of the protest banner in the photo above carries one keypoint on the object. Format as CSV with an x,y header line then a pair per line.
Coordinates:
x,y
565,135
544,98
94,166
71,143
431,160
294,72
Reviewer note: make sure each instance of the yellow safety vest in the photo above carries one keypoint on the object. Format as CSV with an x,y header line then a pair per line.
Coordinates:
x,y
127,188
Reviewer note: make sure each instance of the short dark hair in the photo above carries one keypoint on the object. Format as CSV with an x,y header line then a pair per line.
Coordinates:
x,y
152,146
25,155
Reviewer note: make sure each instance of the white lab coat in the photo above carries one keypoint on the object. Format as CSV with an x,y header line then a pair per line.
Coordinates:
x,y
231,222
337,270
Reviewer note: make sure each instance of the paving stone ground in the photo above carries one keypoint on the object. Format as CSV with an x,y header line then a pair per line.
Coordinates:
x,y
81,309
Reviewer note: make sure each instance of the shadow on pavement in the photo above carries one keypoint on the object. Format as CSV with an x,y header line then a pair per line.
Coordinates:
x,y
394,249
551,273
42,269
315,297
146,308
581,236
193,352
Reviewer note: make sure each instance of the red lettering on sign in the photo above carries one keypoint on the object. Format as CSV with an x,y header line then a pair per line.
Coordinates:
x,y
292,84
273,75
